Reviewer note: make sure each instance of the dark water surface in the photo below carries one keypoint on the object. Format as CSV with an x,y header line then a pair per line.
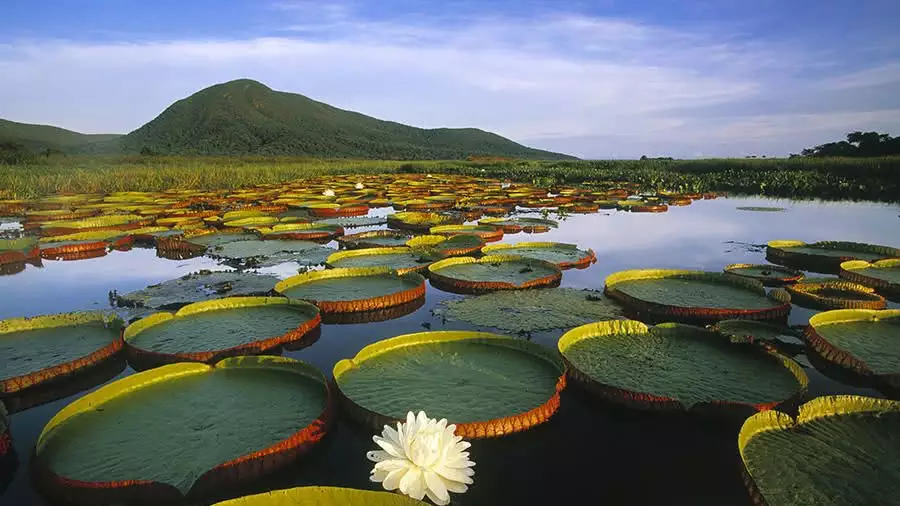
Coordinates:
x,y
590,452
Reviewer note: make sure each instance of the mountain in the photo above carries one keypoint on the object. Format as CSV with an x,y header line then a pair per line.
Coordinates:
x,y
245,117
43,137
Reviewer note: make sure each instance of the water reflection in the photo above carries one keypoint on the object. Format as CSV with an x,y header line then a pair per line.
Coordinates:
x,y
590,449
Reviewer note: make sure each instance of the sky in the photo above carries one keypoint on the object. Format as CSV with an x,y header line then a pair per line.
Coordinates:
x,y
596,79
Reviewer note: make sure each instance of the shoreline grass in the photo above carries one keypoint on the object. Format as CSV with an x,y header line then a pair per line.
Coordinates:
x,y
876,179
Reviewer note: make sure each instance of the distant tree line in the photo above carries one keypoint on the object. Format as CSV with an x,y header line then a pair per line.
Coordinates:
x,y
858,144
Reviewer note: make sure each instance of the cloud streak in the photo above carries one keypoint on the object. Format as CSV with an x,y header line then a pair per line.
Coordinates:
x,y
599,86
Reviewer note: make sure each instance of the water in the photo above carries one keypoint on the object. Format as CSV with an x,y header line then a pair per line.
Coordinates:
x,y
590,452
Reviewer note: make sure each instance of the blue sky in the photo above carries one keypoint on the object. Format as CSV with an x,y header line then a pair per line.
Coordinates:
x,y
598,79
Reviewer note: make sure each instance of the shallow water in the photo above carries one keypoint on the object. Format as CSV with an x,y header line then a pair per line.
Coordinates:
x,y
591,452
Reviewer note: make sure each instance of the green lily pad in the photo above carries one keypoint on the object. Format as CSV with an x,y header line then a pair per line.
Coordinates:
x,y
375,239
840,451
34,350
531,310
825,256
258,253
678,365
323,496
400,259
196,287
866,341
215,240
563,255
211,330
354,221
466,377
354,289
769,275
519,224
760,331
882,275
492,272
191,418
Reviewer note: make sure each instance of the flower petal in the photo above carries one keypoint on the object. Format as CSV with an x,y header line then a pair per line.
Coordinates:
x,y
436,485
393,478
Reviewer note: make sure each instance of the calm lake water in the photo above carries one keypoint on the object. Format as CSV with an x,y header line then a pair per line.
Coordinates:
x,y
590,452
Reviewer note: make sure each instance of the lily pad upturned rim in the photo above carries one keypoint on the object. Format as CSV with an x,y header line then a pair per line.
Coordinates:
x,y
465,286
243,468
648,401
472,430
781,297
357,305
780,250
839,356
487,233
450,246
849,271
816,409
300,231
791,275
358,240
515,225
403,220
211,356
323,496
17,383
804,294
337,256
589,258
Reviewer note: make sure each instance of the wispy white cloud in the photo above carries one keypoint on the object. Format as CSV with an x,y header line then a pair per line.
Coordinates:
x,y
599,85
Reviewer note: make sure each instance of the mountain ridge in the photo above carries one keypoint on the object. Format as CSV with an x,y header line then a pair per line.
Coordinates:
x,y
246,117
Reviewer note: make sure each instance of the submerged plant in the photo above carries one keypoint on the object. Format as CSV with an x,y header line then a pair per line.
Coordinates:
x,y
422,457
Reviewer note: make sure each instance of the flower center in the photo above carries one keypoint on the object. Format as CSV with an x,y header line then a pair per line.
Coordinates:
x,y
425,449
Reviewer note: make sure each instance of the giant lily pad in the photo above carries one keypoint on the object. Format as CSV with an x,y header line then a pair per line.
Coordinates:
x,y
485,232
411,220
834,294
866,342
492,272
454,245
400,259
375,239
675,367
37,350
267,253
825,256
883,275
354,221
323,496
768,275
531,310
759,331
317,231
196,287
488,385
661,293
348,290
213,240
840,451
18,250
565,256
201,428
211,330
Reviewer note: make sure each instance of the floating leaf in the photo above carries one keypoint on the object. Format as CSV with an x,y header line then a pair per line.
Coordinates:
x,y
196,287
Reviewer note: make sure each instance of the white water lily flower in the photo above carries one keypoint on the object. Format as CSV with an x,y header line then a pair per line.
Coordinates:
x,y
422,457
328,193
359,186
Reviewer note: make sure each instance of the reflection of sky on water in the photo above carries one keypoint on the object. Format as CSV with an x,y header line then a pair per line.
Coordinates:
x,y
692,237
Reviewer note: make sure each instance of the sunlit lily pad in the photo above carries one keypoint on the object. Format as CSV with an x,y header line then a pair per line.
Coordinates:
x,y
531,310
768,275
258,253
43,348
323,496
354,289
883,275
317,231
211,330
18,250
375,239
485,232
840,451
412,220
825,256
196,287
662,293
675,367
400,259
487,384
834,294
492,272
866,342
565,256
202,429
454,245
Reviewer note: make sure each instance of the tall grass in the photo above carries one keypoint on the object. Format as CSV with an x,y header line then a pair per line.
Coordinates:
x,y
830,178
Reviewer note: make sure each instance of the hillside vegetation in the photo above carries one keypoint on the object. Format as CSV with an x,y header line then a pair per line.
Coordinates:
x,y
41,138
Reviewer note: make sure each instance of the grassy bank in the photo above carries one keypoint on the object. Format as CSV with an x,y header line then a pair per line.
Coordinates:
x,y
827,178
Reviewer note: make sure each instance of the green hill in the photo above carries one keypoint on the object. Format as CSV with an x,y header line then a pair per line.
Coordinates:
x,y
245,117
43,137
